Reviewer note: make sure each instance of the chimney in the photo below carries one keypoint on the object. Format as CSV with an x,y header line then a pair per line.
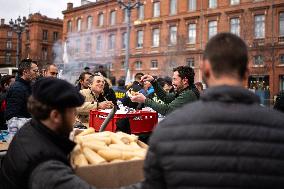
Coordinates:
x,y
69,6
2,21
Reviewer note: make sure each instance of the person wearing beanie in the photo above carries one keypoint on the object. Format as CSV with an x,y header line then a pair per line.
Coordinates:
x,y
37,157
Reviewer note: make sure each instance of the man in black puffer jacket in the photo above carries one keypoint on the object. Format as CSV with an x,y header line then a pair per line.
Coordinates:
x,y
39,154
19,92
225,140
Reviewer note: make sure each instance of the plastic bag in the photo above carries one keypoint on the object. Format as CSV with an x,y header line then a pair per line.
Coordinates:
x,y
14,124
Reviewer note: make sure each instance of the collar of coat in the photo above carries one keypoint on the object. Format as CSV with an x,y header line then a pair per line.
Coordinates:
x,y
63,142
19,79
230,94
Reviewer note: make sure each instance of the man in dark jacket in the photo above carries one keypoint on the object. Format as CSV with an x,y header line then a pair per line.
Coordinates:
x,y
38,156
183,83
225,140
20,91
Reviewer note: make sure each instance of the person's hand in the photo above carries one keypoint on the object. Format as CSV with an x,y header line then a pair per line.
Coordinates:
x,y
140,98
105,105
147,78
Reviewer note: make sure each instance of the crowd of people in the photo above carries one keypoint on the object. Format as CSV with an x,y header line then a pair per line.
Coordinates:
x,y
220,137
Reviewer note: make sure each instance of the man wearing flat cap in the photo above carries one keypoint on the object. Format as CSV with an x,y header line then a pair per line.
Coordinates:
x,y
37,157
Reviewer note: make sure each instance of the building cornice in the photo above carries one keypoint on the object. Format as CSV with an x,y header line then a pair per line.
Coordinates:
x,y
89,5
217,14
259,8
238,11
278,5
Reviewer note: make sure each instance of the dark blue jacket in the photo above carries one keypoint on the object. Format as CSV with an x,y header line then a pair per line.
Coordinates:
x,y
17,98
225,140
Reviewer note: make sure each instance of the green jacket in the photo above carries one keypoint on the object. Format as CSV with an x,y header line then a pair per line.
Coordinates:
x,y
172,101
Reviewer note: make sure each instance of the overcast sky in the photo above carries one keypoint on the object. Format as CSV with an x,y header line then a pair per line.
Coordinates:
x,y
51,8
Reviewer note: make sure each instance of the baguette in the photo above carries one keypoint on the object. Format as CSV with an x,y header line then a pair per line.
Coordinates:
x,y
93,141
95,146
77,149
80,160
92,137
134,145
92,157
121,147
132,138
87,131
125,140
116,140
111,154
117,161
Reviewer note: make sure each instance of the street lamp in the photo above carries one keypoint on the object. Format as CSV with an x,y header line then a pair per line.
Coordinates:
x,y
18,26
128,5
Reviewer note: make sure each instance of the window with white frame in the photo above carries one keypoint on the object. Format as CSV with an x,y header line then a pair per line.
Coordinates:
x,y
234,2
112,18
89,22
44,53
212,28
88,43
258,60
173,7
172,64
156,37
156,9
281,58
141,12
77,46
10,34
44,35
55,36
191,5
138,65
190,62
9,44
101,19
281,24
99,43
140,39
191,33
69,26
212,4
8,58
173,35
111,44
259,26
124,40
235,26
154,64
125,15
79,23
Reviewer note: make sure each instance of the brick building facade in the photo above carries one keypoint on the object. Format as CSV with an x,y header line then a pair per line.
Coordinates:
x,y
167,33
8,45
42,41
